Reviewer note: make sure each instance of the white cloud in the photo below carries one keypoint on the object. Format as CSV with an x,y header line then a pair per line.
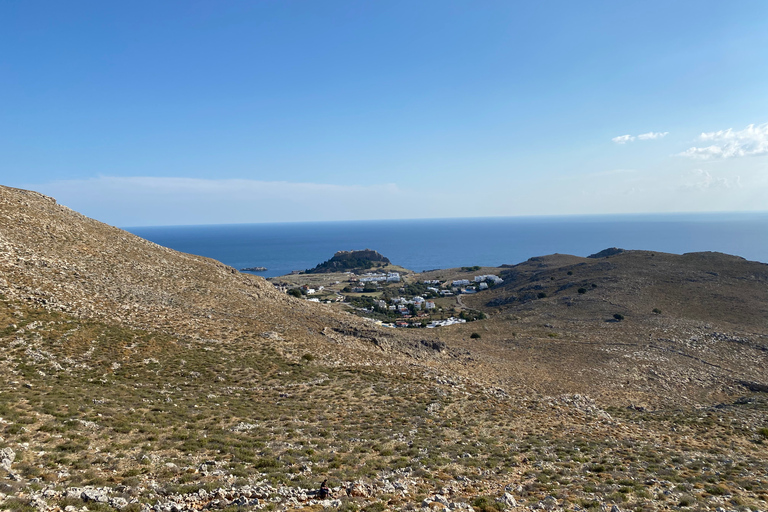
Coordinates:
x,y
751,141
144,201
700,179
652,135
623,139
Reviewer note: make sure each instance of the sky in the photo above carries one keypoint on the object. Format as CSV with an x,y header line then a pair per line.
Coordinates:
x,y
207,112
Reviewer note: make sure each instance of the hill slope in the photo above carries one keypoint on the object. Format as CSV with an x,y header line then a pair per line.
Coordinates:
x,y
706,340
138,378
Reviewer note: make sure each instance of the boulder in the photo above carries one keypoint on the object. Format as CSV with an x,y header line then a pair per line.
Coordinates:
x,y
97,495
507,500
7,456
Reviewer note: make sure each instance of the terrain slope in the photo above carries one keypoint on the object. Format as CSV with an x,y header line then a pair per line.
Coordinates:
x,y
687,327
139,378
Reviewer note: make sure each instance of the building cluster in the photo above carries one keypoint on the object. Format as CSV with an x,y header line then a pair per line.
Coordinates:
x,y
466,286
420,307
406,306
416,306
373,277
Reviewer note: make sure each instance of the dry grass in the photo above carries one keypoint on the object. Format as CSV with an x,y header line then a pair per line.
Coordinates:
x,y
96,404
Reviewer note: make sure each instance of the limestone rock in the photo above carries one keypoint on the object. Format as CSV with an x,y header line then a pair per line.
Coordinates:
x,y
507,500
7,456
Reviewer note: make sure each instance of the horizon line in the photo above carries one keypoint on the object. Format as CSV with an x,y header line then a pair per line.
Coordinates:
x,y
573,216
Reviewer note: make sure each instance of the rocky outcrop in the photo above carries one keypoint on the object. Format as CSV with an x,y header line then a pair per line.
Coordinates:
x,y
611,251
344,261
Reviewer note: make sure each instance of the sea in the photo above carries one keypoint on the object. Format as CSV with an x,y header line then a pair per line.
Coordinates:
x,y
426,244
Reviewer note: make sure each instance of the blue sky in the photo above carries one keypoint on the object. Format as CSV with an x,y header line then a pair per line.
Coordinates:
x,y
189,112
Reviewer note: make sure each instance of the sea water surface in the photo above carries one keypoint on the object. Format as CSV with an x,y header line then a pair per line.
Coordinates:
x,y
443,243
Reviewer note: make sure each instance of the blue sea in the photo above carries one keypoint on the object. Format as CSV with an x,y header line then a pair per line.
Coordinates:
x,y
443,243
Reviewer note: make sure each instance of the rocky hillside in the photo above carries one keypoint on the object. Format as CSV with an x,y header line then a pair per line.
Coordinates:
x,y
631,327
53,256
63,261
709,287
137,378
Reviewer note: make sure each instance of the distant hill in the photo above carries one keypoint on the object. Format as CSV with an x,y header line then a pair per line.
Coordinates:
x,y
344,261
703,286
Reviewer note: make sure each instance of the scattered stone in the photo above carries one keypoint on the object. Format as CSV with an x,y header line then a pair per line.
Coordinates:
x,y
507,500
97,495
7,456
118,503
243,427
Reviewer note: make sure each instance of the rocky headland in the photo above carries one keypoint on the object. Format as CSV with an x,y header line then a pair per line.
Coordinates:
x,y
345,261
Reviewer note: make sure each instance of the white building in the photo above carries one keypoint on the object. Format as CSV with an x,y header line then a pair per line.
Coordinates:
x,y
489,278
445,323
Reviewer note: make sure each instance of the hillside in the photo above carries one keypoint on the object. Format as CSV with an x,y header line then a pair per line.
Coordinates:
x,y
709,287
695,326
139,378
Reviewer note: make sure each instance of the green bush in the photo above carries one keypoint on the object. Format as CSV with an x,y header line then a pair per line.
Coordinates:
x,y
486,504
656,311
582,290
294,292
474,335
618,316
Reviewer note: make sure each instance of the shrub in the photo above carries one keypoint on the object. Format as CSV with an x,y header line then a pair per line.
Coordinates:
x,y
582,290
541,295
570,272
486,504
474,335
716,490
657,311
294,292
618,316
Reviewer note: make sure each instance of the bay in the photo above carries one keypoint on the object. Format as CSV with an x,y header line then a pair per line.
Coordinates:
x,y
425,244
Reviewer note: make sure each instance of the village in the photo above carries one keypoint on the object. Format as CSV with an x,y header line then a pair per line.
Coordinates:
x,y
398,299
